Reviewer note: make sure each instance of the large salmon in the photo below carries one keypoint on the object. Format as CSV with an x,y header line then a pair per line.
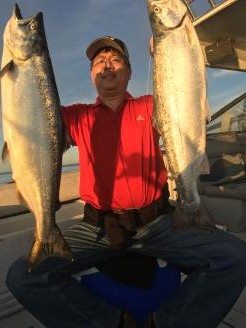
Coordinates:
x,y
180,106
32,128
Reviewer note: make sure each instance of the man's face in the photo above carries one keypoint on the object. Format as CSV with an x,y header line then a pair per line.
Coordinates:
x,y
109,72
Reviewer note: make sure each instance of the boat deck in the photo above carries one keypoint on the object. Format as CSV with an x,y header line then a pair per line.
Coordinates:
x,y
21,318
236,318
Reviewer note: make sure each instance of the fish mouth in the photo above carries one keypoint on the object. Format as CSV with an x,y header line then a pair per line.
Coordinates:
x,y
17,12
21,20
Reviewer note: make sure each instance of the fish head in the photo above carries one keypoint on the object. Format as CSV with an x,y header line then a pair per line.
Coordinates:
x,y
24,37
165,14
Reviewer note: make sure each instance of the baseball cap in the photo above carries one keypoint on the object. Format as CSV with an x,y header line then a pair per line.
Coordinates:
x,y
106,41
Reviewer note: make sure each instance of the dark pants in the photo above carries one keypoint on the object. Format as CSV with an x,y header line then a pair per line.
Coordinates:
x,y
215,260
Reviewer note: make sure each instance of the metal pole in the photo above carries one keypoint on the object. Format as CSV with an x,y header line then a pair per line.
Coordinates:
x,y
212,4
187,2
228,106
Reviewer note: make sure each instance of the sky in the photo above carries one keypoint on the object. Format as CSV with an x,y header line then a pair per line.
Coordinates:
x,y
71,25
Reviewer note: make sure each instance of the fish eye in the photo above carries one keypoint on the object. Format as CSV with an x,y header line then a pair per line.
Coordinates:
x,y
156,9
33,26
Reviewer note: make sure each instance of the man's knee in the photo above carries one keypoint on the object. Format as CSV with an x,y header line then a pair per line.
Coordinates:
x,y
16,275
239,255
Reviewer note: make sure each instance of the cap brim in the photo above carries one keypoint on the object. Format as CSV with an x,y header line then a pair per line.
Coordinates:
x,y
96,45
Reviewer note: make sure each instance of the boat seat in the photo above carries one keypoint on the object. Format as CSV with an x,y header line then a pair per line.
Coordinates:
x,y
223,191
137,301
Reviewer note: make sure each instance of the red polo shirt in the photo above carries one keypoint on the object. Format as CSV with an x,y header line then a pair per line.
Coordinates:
x,y
121,165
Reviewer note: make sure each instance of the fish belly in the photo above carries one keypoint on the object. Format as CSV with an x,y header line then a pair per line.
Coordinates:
x,y
33,144
180,107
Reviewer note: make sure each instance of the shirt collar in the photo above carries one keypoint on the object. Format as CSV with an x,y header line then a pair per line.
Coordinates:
x,y
98,102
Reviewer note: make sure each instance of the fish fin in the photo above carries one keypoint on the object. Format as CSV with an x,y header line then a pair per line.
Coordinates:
x,y
190,39
55,246
199,219
8,67
21,198
5,152
208,112
204,167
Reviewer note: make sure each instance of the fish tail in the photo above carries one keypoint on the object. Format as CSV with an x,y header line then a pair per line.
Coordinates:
x,y
56,247
199,219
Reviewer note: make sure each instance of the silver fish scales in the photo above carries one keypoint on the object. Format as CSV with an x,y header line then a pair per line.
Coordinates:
x,y
180,105
32,129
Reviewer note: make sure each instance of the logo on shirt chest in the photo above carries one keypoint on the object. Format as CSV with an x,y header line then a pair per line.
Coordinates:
x,y
140,118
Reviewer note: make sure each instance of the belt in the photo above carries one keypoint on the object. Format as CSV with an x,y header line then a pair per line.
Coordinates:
x,y
120,225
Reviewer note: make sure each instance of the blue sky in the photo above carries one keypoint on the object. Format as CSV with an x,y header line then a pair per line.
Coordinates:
x,y
72,24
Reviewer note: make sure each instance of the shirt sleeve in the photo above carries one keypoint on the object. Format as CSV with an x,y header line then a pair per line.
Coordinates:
x,y
70,116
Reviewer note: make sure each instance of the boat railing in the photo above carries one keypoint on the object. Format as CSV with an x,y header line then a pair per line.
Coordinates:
x,y
200,10
231,117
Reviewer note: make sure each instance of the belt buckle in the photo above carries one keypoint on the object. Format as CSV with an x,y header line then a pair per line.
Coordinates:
x,y
119,212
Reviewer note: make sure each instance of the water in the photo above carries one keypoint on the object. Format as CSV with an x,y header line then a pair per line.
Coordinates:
x,y
7,177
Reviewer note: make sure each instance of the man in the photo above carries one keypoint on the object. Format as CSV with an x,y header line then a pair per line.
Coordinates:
x,y
123,182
